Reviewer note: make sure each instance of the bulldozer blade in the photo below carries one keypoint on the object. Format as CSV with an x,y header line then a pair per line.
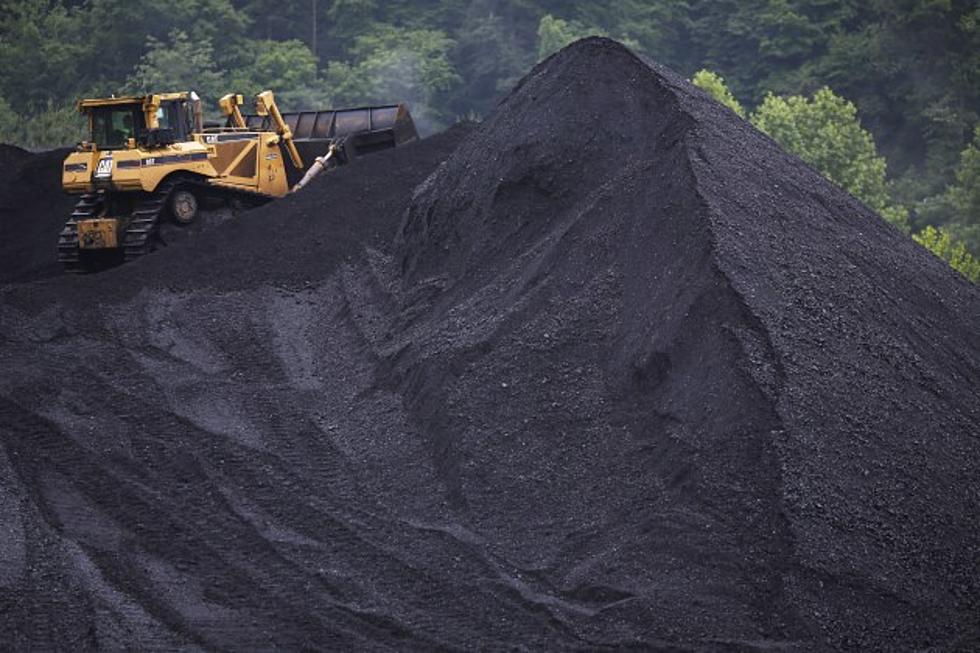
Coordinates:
x,y
366,129
354,132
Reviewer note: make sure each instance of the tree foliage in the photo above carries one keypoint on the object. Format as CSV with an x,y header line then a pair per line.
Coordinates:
x,y
714,85
394,63
493,58
286,67
941,243
41,53
825,132
556,33
61,125
177,64
964,195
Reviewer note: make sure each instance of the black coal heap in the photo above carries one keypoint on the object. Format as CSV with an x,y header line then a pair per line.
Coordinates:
x,y
610,369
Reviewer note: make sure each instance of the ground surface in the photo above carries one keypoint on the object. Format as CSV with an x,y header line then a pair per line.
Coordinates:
x,y
610,369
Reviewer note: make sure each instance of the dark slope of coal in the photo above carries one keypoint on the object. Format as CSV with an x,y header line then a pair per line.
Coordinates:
x,y
12,156
303,237
32,212
619,373
767,388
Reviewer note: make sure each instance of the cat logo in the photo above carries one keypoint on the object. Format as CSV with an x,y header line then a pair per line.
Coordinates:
x,y
104,169
211,138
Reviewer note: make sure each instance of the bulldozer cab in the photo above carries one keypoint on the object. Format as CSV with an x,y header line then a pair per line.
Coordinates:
x,y
147,121
179,116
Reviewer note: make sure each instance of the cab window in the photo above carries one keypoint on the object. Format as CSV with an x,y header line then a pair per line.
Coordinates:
x,y
171,115
164,118
112,127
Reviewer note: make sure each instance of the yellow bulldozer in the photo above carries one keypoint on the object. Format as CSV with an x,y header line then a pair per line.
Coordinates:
x,y
152,161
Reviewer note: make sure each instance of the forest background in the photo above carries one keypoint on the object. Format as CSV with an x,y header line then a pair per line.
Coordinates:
x,y
883,96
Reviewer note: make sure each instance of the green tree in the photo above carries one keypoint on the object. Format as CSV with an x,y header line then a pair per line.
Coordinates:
x,y
283,21
941,243
41,46
394,63
964,195
117,32
490,58
655,28
54,126
556,33
914,69
824,131
348,20
9,123
958,206
288,68
177,65
714,85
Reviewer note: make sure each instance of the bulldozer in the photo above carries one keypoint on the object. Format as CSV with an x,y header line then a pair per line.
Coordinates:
x,y
151,161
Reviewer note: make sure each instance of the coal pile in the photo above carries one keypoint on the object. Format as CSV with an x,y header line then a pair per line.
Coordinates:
x,y
609,370
33,211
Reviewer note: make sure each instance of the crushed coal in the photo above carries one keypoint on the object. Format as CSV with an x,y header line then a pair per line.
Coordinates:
x,y
33,211
608,370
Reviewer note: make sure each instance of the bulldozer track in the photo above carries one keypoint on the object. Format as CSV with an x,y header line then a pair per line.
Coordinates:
x,y
88,206
141,231
145,221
